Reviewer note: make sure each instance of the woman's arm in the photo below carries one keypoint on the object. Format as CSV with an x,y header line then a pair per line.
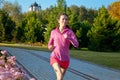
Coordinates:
x,y
72,38
51,42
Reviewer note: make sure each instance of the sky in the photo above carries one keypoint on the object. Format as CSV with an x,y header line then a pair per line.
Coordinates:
x,y
94,4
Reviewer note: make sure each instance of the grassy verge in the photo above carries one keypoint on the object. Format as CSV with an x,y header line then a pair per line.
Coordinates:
x,y
108,59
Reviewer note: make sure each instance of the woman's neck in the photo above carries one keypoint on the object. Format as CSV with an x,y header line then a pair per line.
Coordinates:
x,y
61,28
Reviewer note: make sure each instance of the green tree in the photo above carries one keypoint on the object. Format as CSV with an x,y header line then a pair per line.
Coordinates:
x,y
14,11
73,18
33,30
82,13
91,14
7,25
9,29
52,23
81,33
103,33
61,4
2,31
115,33
87,14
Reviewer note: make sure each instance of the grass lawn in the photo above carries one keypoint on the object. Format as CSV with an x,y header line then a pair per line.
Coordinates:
x,y
108,59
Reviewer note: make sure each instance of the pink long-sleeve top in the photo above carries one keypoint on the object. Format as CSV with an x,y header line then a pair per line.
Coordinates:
x,y
61,44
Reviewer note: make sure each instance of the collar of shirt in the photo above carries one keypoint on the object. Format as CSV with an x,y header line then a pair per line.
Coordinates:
x,y
64,30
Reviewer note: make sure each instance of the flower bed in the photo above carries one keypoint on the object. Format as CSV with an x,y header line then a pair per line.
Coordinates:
x,y
8,68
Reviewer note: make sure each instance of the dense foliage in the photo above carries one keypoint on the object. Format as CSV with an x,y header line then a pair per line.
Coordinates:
x,y
7,26
104,35
97,30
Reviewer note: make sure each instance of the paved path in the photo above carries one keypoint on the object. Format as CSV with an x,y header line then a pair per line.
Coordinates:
x,y
36,63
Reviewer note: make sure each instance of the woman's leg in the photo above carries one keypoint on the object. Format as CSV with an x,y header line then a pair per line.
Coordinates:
x,y
59,71
63,71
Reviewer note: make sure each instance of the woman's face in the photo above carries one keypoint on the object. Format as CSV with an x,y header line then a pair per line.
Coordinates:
x,y
63,20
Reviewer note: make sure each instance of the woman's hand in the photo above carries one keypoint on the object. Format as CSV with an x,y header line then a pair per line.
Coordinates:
x,y
66,36
51,47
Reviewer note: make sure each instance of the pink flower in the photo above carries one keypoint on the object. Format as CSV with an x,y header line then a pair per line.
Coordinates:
x,y
2,70
9,76
2,77
4,52
9,70
7,66
19,75
6,76
2,62
2,57
13,70
11,60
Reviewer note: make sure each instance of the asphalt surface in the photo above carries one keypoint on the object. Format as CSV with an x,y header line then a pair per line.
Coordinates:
x,y
36,64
